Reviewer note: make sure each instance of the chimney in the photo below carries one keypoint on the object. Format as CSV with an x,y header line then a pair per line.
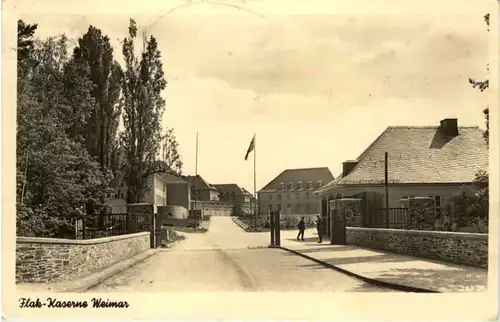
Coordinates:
x,y
449,127
347,167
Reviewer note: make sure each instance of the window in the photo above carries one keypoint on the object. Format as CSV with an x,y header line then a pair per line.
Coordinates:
x,y
310,185
279,197
279,207
320,184
289,208
282,185
290,185
300,185
307,195
270,197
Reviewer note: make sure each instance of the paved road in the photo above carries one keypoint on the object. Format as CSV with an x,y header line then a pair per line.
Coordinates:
x,y
228,259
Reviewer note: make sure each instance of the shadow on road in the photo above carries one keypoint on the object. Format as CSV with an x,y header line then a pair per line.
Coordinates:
x,y
382,258
439,279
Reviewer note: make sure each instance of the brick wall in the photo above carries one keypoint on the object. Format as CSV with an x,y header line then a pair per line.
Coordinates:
x,y
459,248
46,260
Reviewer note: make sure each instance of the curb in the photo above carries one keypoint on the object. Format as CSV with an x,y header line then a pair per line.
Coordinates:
x,y
372,281
94,279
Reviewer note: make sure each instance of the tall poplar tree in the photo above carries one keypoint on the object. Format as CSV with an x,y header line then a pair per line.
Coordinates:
x,y
143,107
94,51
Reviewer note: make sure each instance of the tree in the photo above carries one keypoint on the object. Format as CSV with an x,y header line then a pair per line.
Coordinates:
x,y
94,51
25,42
143,106
473,209
170,153
483,85
58,181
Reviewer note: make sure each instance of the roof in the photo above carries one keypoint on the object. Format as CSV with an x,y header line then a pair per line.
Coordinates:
x,y
230,187
170,178
304,175
246,191
420,155
199,183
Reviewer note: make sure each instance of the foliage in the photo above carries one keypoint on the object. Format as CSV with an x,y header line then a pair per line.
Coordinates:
x,y
473,209
170,153
68,113
143,106
94,51
58,181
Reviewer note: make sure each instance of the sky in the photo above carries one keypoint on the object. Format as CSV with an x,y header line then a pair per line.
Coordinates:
x,y
316,85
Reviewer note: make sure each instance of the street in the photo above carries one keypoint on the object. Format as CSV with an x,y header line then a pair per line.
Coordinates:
x,y
228,259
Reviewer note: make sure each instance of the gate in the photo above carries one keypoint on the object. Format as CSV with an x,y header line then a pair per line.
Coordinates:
x,y
372,201
338,234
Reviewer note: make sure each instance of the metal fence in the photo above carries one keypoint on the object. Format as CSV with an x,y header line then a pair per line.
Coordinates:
x,y
397,218
99,225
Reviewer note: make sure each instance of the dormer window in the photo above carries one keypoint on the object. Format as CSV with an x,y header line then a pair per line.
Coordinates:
x,y
290,185
320,184
300,185
310,184
282,185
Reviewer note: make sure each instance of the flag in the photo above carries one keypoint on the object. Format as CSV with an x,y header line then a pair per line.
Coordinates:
x,y
250,148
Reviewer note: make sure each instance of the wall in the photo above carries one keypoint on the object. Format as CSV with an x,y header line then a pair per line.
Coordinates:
x,y
178,194
459,248
178,212
46,260
396,192
350,209
421,211
213,208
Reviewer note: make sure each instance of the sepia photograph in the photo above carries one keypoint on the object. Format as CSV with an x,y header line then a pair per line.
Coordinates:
x,y
338,149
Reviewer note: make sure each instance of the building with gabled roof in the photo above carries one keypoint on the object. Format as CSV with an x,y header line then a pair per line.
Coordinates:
x,y
238,196
423,161
201,189
293,191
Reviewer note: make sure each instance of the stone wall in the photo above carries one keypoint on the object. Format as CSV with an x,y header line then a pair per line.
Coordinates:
x,y
47,260
459,248
421,211
352,209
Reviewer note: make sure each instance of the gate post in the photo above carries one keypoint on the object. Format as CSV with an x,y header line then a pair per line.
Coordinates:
x,y
153,230
272,227
277,228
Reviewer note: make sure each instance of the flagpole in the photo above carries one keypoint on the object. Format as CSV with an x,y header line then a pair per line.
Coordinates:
x,y
255,177
196,169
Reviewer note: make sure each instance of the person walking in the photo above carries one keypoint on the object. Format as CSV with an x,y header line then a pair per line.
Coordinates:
x,y
302,227
319,227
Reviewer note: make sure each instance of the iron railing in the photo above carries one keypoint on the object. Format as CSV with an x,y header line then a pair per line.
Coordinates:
x,y
396,218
